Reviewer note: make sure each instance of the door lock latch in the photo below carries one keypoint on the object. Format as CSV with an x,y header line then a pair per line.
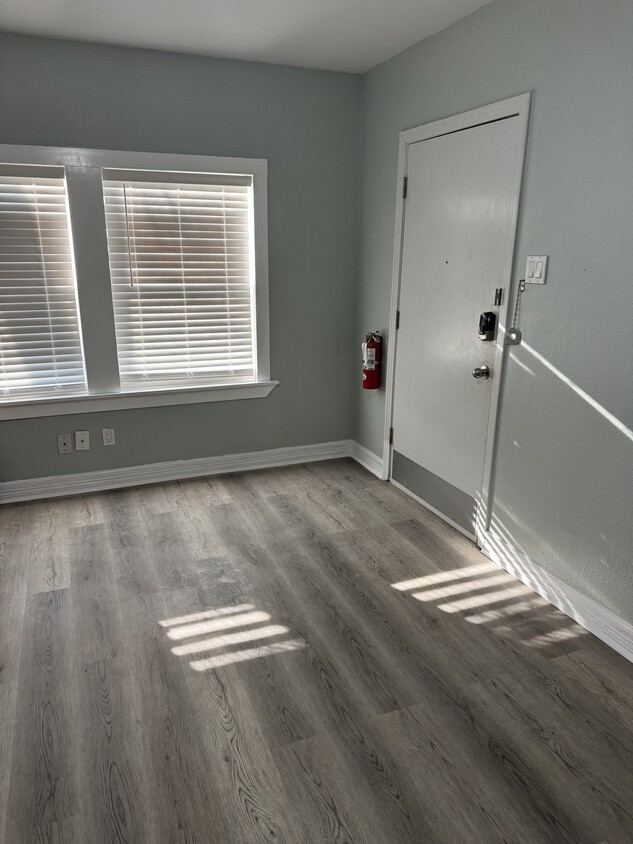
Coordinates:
x,y
487,325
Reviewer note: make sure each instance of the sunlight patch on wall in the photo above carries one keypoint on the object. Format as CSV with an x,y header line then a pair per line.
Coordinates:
x,y
617,423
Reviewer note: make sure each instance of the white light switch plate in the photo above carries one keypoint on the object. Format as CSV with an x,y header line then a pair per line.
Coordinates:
x,y
536,269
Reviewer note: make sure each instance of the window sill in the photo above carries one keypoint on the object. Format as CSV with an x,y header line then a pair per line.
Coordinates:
x,y
130,400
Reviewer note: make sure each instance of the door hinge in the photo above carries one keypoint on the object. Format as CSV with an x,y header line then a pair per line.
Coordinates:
x,y
390,436
405,187
397,320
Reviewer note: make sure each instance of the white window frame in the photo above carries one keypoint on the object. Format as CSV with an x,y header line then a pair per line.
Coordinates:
x,y
83,169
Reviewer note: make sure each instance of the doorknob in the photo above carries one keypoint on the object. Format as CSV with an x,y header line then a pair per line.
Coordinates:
x,y
481,372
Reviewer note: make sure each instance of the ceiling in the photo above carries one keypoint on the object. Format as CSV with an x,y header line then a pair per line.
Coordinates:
x,y
349,35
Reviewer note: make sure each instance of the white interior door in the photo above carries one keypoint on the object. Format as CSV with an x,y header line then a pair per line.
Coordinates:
x,y
458,235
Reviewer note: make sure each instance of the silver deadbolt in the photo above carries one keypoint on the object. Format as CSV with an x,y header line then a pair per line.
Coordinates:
x,y
481,372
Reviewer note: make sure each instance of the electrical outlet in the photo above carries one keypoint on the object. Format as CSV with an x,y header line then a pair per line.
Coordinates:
x,y
108,436
82,440
64,443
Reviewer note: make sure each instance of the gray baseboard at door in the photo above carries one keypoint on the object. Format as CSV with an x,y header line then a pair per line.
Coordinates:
x,y
456,505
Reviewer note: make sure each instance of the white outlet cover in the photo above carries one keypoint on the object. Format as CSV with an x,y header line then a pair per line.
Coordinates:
x,y
82,440
64,443
108,436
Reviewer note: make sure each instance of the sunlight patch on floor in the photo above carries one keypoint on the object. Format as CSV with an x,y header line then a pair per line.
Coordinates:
x,y
199,616
446,576
200,628
486,599
486,594
227,639
249,653
248,626
497,614
467,586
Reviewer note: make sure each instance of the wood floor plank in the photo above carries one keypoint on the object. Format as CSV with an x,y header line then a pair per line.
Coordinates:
x,y
177,772
606,674
110,779
59,832
448,550
96,613
343,633
49,566
335,801
43,788
296,481
251,789
14,574
80,510
372,757
381,500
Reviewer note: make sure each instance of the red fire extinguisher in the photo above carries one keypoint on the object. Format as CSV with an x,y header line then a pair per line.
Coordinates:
x,y
372,359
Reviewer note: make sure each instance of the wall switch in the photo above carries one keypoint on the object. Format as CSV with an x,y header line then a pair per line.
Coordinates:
x,y
108,436
64,443
82,440
536,269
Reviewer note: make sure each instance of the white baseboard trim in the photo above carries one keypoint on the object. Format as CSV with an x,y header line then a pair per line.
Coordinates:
x,y
591,615
86,482
367,458
175,470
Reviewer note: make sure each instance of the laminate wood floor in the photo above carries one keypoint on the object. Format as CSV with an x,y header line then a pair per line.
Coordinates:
x,y
293,655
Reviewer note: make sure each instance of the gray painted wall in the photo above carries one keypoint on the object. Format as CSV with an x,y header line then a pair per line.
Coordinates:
x,y
306,123
565,471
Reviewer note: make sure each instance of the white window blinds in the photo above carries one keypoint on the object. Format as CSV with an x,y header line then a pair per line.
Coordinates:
x,y
40,345
182,270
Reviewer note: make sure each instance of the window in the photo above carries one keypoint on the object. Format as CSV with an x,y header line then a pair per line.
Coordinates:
x,y
130,280
40,344
182,274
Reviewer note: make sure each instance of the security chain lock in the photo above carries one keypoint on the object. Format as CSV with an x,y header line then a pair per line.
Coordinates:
x,y
513,336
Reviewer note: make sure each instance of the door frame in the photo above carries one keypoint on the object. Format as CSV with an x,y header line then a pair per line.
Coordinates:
x,y
518,107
